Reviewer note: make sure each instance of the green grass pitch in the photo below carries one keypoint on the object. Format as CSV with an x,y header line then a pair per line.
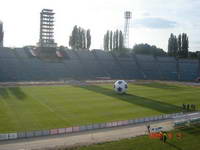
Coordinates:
x,y
28,108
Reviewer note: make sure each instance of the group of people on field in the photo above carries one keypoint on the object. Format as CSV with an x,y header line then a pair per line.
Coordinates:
x,y
163,136
189,107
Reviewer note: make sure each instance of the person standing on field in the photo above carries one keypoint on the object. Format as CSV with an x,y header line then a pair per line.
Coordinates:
x,y
148,128
164,137
161,135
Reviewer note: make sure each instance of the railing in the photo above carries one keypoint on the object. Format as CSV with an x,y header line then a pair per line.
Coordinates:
x,y
75,129
187,121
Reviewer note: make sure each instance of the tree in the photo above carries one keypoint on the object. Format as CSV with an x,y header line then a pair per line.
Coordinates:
x,y
193,55
117,40
175,43
106,41
73,38
121,40
83,34
172,45
179,43
178,46
111,40
148,50
114,41
185,45
88,36
71,42
79,39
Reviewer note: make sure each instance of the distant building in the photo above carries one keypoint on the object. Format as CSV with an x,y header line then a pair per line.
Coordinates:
x,y
47,28
1,34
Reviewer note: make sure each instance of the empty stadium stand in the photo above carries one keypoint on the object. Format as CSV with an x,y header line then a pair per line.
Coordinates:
x,y
188,69
19,64
108,63
168,68
148,66
128,66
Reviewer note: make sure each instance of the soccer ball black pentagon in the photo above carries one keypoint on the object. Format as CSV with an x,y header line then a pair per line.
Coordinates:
x,y
120,86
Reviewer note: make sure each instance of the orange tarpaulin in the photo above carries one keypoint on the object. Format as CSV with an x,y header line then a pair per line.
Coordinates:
x,y
170,135
179,135
155,135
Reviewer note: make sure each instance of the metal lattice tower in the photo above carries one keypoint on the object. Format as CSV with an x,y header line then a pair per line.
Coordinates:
x,y
47,28
1,34
127,16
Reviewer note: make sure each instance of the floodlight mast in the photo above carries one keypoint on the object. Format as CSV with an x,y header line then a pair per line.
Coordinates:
x,y
127,17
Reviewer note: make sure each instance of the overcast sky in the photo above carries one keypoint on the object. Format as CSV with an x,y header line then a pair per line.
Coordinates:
x,y
153,20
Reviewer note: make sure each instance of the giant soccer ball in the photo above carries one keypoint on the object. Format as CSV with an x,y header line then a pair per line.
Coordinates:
x,y
120,86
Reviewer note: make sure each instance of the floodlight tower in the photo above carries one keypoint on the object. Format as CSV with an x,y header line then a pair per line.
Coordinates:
x,y
1,34
127,17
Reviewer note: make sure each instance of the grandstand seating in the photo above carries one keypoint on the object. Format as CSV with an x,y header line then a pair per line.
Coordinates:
x,y
109,64
167,66
149,66
19,65
7,53
8,69
128,66
20,52
89,63
188,69
74,66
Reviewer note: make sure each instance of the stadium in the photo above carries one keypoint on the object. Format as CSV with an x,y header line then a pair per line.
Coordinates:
x,y
59,98
77,88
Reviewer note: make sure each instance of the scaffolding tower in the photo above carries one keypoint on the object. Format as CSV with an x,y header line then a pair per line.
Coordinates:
x,y
127,17
47,28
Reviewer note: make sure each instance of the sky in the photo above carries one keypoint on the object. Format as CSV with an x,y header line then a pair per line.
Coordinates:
x,y
152,20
